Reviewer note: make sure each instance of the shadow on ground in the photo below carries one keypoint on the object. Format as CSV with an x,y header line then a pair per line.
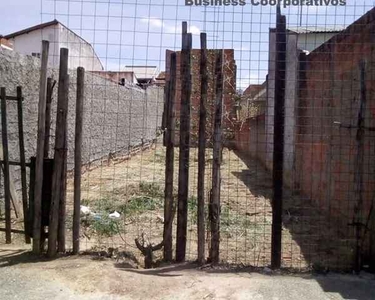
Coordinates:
x,y
320,243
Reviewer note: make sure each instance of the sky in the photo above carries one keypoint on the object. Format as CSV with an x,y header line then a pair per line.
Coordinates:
x,y
137,32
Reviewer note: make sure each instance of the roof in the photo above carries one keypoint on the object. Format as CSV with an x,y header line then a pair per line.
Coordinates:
x,y
27,30
47,24
143,72
316,29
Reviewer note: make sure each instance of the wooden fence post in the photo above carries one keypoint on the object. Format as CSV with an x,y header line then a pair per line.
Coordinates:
x,y
217,152
78,157
4,134
60,143
40,149
62,204
202,149
278,140
50,86
169,159
23,165
183,174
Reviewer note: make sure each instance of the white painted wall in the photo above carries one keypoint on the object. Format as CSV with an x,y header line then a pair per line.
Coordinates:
x,y
311,41
81,53
31,42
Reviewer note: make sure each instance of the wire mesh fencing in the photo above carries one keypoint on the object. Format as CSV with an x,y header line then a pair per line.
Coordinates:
x,y
240,133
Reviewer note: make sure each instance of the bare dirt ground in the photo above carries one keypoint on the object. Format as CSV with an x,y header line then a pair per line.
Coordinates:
x,y
87,277
134,187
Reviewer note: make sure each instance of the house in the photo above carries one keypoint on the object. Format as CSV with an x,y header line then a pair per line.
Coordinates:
x,y
311,37
5,44
146,75
122,77
253,101
299,41
160,79
81,53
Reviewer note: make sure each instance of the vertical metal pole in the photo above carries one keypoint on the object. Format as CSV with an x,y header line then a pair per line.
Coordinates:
x,y
23,165
169,163
202,149
78,157
4,134
60,144
183,175
217,151
37,222
278,140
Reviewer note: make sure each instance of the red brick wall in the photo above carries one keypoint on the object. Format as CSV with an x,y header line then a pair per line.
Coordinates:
x,y
330,92
250,138
228,95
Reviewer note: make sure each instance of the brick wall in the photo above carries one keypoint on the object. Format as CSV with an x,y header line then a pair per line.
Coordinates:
x,y
250,138
327,154
228,95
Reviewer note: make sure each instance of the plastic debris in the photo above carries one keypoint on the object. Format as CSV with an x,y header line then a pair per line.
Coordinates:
x,y
85,210
115,215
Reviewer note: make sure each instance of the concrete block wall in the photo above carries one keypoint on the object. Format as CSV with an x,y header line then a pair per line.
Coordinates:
x,y
116,118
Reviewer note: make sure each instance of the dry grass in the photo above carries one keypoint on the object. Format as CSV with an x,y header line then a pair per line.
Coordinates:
x,y
135,188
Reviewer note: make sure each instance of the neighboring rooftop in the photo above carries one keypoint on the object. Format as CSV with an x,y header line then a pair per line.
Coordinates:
x,y
32,28
143,72
316,29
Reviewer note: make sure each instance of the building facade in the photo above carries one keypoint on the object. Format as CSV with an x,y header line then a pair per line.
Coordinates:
x,y
81,53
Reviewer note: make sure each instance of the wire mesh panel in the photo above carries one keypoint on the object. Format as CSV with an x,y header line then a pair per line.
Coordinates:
x,y
301,96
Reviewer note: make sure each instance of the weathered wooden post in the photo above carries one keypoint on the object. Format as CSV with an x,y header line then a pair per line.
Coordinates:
x,y
23,165
183,174
60,144
78,157
169,159
202,149
62,205
4,134
50,86
217,151
278,140
40,149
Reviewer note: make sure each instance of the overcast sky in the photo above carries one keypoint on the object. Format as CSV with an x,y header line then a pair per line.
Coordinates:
x,y
137,32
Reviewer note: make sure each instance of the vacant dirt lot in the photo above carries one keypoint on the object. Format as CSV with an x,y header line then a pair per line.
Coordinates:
x,y
134,187
86,277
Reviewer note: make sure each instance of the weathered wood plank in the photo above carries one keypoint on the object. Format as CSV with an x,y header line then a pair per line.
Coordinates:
x,y
60,141
50,85
4,135
183,175
216,164
169,160
202,149
40,149
23,165
78,157
278,141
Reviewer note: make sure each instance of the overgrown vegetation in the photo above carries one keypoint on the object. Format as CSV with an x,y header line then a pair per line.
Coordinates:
x,y
133,200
